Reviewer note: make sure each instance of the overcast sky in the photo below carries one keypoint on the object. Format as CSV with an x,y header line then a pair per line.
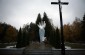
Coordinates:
x,y
19,12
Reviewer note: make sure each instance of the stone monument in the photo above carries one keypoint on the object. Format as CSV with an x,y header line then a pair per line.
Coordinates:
x,y
41,26
42,30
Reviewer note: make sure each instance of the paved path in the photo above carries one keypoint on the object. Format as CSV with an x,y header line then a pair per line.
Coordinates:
x,y
37,52
40,52
24,51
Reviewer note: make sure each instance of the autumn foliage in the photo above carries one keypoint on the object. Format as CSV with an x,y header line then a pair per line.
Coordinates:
x,y
8,33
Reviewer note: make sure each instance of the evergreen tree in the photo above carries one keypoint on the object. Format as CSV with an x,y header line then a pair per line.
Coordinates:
x,y
25,40
38,19
19,39
83,30
57,38
37,28
37,33
25,35
52,38
34,35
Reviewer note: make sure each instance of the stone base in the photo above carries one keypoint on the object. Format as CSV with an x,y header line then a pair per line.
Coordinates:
x,y
37,45
42,45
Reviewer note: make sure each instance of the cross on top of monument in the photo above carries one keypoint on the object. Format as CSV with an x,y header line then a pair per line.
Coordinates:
x,y
61,22
59,2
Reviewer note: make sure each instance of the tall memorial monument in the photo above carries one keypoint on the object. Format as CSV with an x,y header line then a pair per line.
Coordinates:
x,y
41,26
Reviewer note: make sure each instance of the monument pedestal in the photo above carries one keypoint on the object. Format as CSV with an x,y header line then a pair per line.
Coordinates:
x,y
42,45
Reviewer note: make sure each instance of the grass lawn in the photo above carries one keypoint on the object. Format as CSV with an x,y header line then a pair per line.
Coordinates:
x,y
75,45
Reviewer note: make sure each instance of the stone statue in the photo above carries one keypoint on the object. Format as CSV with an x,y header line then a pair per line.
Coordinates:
x,y
41,26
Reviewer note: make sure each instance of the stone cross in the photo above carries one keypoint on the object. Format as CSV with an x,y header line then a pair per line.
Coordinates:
x,y
61,22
